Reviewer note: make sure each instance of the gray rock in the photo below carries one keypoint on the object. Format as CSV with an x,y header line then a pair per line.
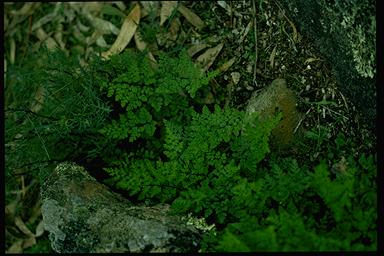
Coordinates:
x,y
272,100
83,215
345,32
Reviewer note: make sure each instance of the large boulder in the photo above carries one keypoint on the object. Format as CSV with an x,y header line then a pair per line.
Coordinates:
x,y
345,33
83,215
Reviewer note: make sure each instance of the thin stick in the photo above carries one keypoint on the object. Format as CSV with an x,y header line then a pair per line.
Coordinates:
x,y
255,32
301,120
41,139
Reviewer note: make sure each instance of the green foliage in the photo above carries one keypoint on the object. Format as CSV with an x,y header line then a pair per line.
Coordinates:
x,y
148,93
52,112
161,144
340,222
212,163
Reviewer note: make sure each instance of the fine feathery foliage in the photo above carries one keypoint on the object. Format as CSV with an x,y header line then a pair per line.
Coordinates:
x,y
209,162
160,143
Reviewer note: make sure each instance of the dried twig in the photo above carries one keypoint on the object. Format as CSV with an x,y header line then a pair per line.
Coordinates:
x,y
255,32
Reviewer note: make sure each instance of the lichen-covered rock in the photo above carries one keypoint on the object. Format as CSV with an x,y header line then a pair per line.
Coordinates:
x,y
272,100
345,32
83,215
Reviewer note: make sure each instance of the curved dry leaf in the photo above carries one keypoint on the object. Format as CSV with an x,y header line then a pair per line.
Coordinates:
x,y
26,10
272,57
6,22
16,247
38,102
47,18
10,210
293,28
174,29
94,37
196,48
58,36
69,13
167,7
12,50
208,57
171,36
235,77
50,43
226,65
140,44
311,59
101,42
39,229
225,6
103,25
246,31
126,33
110,10
30,241
81,26
191,17
120,5
88,7
78,35
23,228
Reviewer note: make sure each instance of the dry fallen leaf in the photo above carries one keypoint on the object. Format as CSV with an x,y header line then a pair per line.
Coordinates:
x,y
174,29
191,17
126,33
12,51
246,31
88,7
23,228
50,43
105,26
26,10
10,210
28,242
167,8
225,6
48,18
59,36
38,102
39,229
235,77
16,247
272,57
196,48
309,60
121,6
226,65
171,36
208,57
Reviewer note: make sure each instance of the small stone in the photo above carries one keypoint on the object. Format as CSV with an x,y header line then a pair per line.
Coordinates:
x,y
271,100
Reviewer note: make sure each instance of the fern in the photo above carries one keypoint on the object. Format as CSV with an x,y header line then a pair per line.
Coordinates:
x,y
132,125
161,144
